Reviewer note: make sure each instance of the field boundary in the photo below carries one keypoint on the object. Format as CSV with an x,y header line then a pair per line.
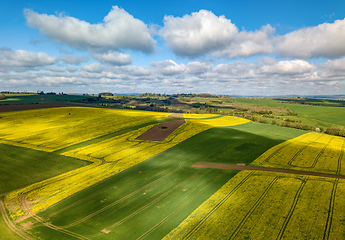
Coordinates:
x,y
21,107
248,167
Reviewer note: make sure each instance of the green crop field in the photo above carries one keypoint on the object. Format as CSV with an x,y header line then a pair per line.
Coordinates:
x,y
80,173
36,98
20,167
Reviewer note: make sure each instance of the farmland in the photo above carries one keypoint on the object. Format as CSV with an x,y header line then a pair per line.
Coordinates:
x,y
310,152
89,177
253,202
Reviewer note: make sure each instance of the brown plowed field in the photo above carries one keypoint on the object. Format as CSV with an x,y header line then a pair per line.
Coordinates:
x,y
244,167
19,107
163,130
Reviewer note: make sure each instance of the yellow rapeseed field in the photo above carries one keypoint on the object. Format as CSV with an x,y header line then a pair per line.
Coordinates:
x,y
314,152
249,206
108,157
55,128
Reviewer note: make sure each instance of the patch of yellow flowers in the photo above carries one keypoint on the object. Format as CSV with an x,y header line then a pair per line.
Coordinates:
x,y
258,205
312,151
108,157
55,128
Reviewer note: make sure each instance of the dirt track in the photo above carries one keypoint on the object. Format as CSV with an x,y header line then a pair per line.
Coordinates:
x,y
248,167
163,130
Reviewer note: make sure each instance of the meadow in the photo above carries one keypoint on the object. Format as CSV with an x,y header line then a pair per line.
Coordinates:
x,y
88,177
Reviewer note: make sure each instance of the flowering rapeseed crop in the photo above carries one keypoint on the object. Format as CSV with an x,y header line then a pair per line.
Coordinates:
x,y
309,152
109,157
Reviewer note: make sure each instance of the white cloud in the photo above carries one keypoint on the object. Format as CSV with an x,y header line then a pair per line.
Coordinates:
x,y
198,67
168,67
119,30
292,67
204,33
73,59
236,70
24,59
197,34
113,58
265,76
93,67
337,65
332,69
324,40
247,44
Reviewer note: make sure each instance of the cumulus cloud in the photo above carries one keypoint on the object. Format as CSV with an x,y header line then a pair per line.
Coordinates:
x,y
21,58
292,67
337,65
205,33
247,44
73,59
119,30
332,69
93,67
113,58
168,67
324,40
198,67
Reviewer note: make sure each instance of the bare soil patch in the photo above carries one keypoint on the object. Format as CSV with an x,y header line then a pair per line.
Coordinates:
x,y
163,130
20,107
105,231
248,167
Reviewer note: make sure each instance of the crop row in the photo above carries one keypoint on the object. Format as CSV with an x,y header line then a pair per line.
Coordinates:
x,y
56,128
309,152
110,157
263,205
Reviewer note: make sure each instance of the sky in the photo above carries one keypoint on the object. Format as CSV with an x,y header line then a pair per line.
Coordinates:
x,y
246,48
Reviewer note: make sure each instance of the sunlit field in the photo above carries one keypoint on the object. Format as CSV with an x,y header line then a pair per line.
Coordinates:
x,y
80,167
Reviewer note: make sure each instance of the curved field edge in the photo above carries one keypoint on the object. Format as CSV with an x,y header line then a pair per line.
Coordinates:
x,y
20,167
250,206
92,205
44,194
56,128
312,152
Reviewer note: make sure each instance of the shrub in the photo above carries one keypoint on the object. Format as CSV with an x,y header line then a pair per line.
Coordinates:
x,y
286,124
341,132
254,118
263,120
307,127
316,129
332,130
2,97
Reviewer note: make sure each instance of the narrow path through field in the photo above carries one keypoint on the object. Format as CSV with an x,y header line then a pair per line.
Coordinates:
x,y
248,167
26,207
11,225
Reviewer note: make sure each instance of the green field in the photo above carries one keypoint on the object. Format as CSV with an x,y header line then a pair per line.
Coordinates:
x,y
36,98
165,179
20,167
162,195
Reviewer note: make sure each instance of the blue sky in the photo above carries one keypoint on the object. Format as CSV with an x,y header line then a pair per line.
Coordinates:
x,y
221,47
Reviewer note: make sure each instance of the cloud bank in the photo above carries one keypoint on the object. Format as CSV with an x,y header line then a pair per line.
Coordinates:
x,y
14,60
217,50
